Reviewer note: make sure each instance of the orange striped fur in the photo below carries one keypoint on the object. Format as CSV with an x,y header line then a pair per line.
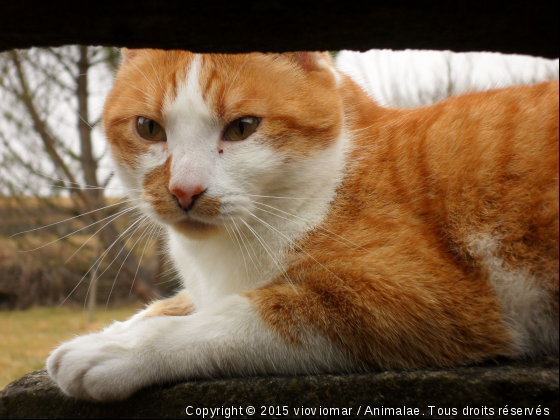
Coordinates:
x,y
402,288
338,235
422,184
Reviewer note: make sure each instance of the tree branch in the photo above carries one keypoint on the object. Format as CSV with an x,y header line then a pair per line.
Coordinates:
x,y
40,126
51,77
62,62
89,164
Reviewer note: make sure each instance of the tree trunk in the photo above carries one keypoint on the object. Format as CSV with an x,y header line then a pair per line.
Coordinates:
x,y
89,165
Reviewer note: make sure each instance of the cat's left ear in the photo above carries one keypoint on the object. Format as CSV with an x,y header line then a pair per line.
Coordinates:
x,y
312,60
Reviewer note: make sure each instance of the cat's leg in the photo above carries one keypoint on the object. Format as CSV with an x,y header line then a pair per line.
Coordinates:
x,y
230,339
179,305
323,324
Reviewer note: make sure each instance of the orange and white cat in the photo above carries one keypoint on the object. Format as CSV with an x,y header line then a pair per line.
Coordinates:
x,y
315,231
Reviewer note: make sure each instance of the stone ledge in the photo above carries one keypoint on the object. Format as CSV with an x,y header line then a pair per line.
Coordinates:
x,y
516,384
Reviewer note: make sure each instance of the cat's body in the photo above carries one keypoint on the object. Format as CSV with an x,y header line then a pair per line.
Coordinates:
x,y
338,236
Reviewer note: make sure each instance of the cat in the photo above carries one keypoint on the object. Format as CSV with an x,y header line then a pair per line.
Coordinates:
x,y
315,231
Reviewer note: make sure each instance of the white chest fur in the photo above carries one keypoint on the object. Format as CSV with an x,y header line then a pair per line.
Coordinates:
x,y
253,250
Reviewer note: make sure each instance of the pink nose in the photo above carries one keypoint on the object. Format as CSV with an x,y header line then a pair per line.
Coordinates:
x,y
186,196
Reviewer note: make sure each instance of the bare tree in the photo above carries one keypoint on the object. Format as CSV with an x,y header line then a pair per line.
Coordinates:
x,y
50,144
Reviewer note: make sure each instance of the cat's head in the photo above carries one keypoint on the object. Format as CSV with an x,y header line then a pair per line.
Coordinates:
x,y
199,137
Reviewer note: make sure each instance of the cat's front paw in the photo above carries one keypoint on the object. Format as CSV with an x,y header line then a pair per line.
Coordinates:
x,y
97,367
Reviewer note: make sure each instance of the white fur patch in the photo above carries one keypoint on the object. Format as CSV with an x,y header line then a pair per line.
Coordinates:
x,y
251,253
193,133
525,305
228,339
266,202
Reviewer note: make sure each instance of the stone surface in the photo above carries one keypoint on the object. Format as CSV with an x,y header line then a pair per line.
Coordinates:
x,y
515,384
525,27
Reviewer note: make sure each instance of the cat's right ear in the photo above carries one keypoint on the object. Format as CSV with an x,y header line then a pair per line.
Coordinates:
x,y
128,54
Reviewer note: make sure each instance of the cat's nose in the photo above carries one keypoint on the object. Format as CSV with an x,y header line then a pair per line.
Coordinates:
x,y
187,196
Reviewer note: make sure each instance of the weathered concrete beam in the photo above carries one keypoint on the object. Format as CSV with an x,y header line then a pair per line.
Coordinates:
x,y
518,26
517,385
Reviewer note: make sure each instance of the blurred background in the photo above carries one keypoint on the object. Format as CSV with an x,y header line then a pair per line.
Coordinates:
x,y
73,255
79,258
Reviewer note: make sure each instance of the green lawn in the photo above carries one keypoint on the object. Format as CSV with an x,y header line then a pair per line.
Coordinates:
x,y
27,337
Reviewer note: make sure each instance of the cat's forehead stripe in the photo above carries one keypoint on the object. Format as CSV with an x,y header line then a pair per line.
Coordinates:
x,y
188,103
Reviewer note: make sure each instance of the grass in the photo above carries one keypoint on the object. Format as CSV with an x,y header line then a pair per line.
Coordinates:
x,y
28,337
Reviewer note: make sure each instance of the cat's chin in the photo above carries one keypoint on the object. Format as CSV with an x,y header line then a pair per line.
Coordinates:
x,y
195,229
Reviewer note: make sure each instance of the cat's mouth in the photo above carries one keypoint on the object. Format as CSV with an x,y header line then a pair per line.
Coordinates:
x,y
201,217
207,213
205,208
192,226
195,224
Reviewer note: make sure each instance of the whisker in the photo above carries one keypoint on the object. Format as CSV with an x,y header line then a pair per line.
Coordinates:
x,y
96,188
149,105
153,229
119,214
240,100
362,129
126,258
134,87
95,277
241,250
175,278
265,247
167,281
85,122
288,198
130,235
167,272
233,81
241,235
69,182
72,218
142,73
294,221
229,234
93,265
66,236
155,72
291,243
318,227
121,120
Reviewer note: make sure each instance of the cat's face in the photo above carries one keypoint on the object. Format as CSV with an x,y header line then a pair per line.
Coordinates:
x,y
199,138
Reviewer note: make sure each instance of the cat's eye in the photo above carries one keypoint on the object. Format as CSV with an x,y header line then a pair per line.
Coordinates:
x,y
150,130
241,128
